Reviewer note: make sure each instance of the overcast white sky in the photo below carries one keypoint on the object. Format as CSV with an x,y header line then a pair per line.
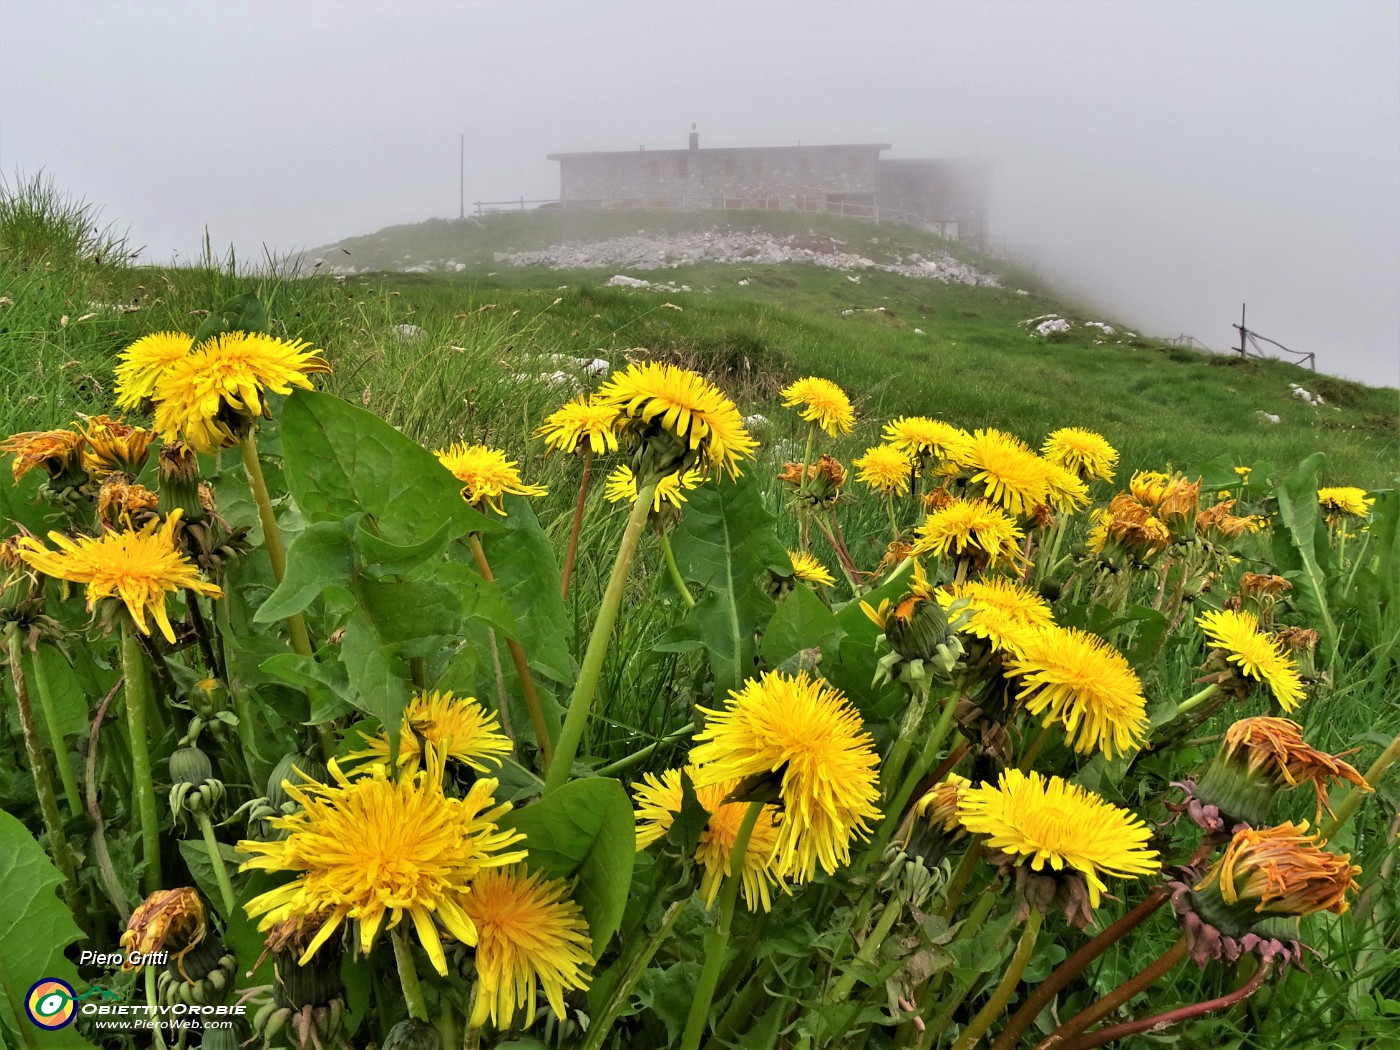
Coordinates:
x,y
1170,160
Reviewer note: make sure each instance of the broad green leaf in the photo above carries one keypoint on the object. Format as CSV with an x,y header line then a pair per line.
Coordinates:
x,y
725,544
321,557
35,927
801,622
327,684
201,866
341,460
1301,548
385,557
584,831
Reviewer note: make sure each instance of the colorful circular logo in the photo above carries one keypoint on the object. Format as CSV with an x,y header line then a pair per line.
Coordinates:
x,y
51,1003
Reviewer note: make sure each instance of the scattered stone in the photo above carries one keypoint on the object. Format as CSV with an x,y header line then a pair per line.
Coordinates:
x,y
758,419
1306,396
918,331
1267,417
620,280
1107,329
408,333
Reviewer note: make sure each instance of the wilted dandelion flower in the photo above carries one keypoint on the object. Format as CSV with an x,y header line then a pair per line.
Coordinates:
x,y
136,566
822,402
210,397
705,423
1219,523
528,931
923,436
486,475
581,420
54,450
997,610
1007,471
659,800
114,447
376,849
808,739
807,568
1169,497
621,487
1040,822
1343,501
458,728
1281,871
142,365
1256,656
173,921
1084,452
885,468
971,528
1080,681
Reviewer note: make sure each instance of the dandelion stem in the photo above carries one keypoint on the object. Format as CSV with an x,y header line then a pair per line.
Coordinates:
x,y
916,772
216,860
1191,703
1004,990
628,761
272,537
581,702
39,770
1095,1012
974,922
408,974
522,668
1072,967
56,741
894,525
101,855
1348,805
572,552
1157,1022
138,698
718,939
675,571
894,908
641,956
961,877
153,1000
1036,746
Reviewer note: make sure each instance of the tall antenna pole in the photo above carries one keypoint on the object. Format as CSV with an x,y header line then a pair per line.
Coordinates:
x,y
462,179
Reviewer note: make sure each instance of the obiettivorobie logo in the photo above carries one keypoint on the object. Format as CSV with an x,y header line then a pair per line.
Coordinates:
x,y
52,1004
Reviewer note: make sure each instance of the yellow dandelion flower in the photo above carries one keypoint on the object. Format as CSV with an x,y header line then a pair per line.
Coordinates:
x,y
973,528
1169,497
996,609
684,404
54,450
1282,871
114,447
375,849
137,567
1007,471
142,365
1064,491
621,487
807,568
486,475
1083,452
1080,681
823,403
922,436
210,397
529,931
659,801
886,469
808,737
458,728
1049,821
938,806
582,419
1346,500
1236,633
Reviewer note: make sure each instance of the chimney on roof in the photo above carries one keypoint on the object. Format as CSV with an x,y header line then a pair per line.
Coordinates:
x,y
694,137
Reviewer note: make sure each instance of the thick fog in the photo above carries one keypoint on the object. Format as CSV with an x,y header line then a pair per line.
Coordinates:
x,y
1165,161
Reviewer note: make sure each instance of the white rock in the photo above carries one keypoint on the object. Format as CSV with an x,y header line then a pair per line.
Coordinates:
x,y
619,280
1050,327
758,419
743,282
918,331
847,313
1267,417
1022,291
408,333
596,367
853,278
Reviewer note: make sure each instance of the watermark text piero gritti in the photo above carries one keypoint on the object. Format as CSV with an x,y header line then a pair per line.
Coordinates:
x,y
128,960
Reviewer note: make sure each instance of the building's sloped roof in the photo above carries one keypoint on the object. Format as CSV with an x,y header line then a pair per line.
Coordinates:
x,y
712,149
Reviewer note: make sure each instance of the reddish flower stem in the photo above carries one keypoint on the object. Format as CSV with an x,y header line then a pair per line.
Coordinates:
x,y
1071,968
572,552
1157,1022
1096,1012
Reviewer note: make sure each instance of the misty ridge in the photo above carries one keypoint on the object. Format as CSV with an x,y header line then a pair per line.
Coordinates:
x,y
1163,163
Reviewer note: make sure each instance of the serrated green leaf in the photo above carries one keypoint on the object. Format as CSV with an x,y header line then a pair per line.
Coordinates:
x,y
1301,548
35,927
584,831
323,556
801,622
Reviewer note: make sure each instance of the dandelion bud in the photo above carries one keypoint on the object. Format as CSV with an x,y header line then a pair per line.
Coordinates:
x,y
412,1034
1302,643
177,473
